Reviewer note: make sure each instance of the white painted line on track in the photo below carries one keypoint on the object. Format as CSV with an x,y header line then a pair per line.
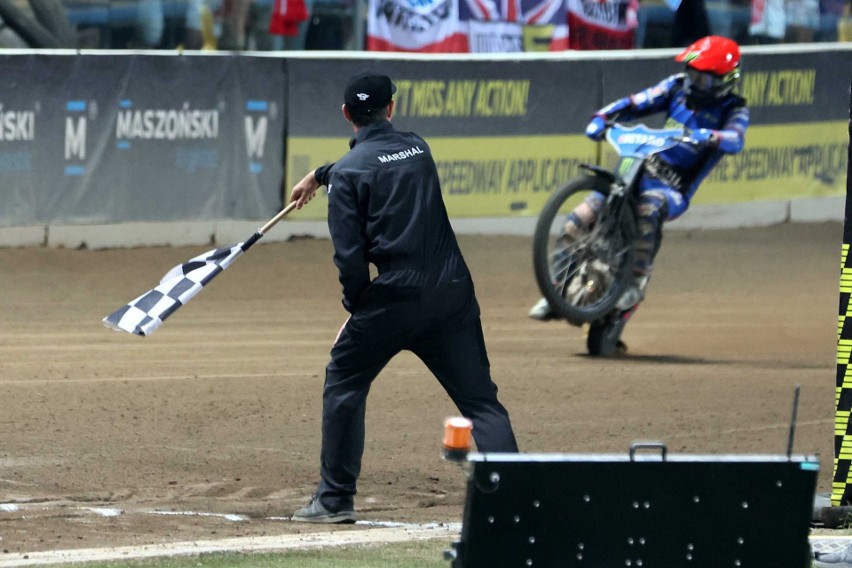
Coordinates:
x,y
186,377
226,516
374,536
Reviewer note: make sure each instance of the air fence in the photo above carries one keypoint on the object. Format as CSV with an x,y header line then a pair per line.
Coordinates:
x,y
114,149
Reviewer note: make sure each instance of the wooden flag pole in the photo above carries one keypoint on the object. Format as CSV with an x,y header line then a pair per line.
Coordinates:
x,y
274,221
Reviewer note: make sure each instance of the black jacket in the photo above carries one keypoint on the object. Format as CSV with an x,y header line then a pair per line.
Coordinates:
x,y
385,207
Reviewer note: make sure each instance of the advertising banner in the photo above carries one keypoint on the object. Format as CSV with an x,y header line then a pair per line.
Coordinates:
x,y
796,145
502,132
507,133
108,138
32,123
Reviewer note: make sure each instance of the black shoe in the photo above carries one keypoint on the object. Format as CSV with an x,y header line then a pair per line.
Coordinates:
x,y
314,512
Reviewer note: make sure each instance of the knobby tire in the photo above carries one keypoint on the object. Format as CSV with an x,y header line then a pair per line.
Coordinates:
x,y
554,294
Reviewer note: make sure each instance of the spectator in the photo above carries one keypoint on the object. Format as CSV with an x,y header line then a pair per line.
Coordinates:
x,y
831,13
245,25
768,22
844,25
802,20
235,15
290,19
199,26
197,29
259,36
690,23
149,24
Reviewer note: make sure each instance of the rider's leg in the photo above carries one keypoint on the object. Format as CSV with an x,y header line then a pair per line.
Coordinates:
x,y
657,203
578,224
583,216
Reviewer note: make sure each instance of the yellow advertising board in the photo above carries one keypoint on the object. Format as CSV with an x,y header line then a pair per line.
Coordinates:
x,y
513,176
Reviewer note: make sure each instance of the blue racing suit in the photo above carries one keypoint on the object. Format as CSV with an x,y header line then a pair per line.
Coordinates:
x,y
673,176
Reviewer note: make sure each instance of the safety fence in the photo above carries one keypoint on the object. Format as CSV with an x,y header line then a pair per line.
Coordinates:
x,y
105,137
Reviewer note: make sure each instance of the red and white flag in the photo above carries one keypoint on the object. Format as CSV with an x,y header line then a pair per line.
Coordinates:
x,y
423,26
602,24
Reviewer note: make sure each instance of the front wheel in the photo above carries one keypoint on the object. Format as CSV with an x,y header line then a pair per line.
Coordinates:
x,y
583,273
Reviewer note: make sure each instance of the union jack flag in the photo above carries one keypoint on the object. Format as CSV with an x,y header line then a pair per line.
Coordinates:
x,y
501,15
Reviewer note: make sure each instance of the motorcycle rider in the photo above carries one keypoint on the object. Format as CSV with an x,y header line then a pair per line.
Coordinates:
x,y
701,100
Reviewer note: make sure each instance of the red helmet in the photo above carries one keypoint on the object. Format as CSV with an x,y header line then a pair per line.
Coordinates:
x,y
712,68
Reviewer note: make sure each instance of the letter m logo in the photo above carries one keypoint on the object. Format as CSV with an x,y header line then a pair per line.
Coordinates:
x,y
256,136
75,138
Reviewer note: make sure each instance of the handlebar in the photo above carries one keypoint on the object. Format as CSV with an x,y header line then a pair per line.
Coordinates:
x,y
685,139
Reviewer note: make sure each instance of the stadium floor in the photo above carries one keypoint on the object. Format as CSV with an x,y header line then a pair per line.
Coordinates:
x,y
210,428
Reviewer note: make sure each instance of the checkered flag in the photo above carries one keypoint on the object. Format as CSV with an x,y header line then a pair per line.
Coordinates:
x,y
144,315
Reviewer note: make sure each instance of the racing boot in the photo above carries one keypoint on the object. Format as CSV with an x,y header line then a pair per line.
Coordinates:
x,y
572,231
603,337
634,293
542,311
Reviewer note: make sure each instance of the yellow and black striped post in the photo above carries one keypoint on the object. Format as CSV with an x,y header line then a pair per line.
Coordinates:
x,y
841,493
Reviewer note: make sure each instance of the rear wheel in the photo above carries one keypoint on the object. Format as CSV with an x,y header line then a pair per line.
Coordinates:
x,y
583,274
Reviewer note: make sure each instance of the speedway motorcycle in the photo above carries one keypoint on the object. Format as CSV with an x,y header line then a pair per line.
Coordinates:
x,y
582,274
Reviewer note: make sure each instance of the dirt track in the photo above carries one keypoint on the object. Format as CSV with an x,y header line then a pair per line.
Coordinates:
x,y
219,411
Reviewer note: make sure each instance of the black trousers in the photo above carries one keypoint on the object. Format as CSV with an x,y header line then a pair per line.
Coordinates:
x,y
442,327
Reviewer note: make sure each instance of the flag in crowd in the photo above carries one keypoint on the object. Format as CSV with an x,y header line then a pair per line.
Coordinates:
x,y
145,314
500,26
602,25
423,26
514,25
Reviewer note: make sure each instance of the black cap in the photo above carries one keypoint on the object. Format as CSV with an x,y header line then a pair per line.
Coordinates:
x,y
368,91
